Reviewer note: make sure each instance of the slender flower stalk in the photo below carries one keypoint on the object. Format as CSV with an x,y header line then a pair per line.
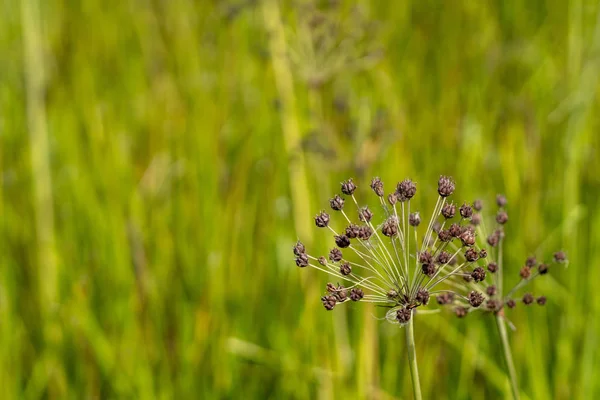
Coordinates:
x,y
385,264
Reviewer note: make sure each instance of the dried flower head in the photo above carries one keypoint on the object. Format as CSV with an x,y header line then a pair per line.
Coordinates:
x,y
377,186
336,203
414,219
445,186
466,211
348,187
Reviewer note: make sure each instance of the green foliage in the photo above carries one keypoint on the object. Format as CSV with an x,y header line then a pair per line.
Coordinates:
x,y
147,214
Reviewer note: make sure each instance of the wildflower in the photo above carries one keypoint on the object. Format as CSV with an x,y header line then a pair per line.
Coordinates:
x,y
377,186
345,268
342,241
403,315
445,186
448,210
322,219
478,274
466,211
335,255
475,298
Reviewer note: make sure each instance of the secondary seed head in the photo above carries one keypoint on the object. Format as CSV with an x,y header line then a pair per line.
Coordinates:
x,y
322,219
365,215
491,290
342,241
461,312
443,257
335,255
478,205
560,257
528,299
403,315
525,272
445,298
348,187
492,267
390,227
345,269
475,298
302,260
406,190
543,269
466,211
414,219
356,294
510,303
422,296
478,274
377,186
502,217
365,232
449,210
471,255
299,248
336,203
445,186
352,231
541,300
329,302
501,200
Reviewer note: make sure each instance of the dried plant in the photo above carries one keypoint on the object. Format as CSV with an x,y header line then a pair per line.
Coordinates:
x,y
388,265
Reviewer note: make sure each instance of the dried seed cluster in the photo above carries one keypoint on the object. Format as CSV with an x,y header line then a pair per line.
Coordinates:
x,y
398,266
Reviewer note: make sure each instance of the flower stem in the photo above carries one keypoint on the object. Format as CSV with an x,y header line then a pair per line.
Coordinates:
x,y
508,357
412,359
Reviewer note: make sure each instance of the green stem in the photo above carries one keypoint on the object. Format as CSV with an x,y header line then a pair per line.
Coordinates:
x,y
502,330
412,358
508,357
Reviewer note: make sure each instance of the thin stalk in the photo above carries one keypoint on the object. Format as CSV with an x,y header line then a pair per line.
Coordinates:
x,y
502,330
412,359
508,357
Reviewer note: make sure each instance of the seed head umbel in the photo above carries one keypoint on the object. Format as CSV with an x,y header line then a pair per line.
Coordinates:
x,y
345,269
365,215
356,294
445,186
335,255
403,315
478,274
422,296
406,190
471,255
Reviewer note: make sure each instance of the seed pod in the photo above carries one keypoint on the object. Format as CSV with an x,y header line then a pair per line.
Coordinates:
x,y
390,227
342,241
302,260
445,298
356,294
525,272
541,300
445,236
322,261
502,217
466,211
348,187
406,190
335,255
461,312
510,303
336,203
475,298
491,290
352,231
443,257
414,219
492,267
299,248
345,269
403,315
322,219
478,274
471,255
365,215
543,269
365,232
377,186
528,299
445,186
449,210
478,205
422,296
560,257
501,200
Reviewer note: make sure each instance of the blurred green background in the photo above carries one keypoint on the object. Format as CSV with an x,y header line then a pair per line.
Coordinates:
x,y
159,159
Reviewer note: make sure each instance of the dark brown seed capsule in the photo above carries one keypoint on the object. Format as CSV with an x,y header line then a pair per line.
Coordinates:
x,y
406,190
425,257
348,187
543,269
493,240
560,257
336,203
501,200
525,272
528,298
475,299
443,257
455,230
445,236
449,210
492,304
377,186
510,303
466,211
390,227
492,267
482,253
502,217
352,231
365,215
414,219
461,312
356,294
445,186
365,232
541,300
471,255
428,269
476,219
478,205
531,262
329,302
345,269
478,274
299,248
342,241
467,238
422,296
445,298
491,290
392,198
403,315
335,255
302,260
322,260
322,219
330,287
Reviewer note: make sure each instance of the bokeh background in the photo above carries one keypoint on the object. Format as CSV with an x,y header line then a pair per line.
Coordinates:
x,y
160,158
